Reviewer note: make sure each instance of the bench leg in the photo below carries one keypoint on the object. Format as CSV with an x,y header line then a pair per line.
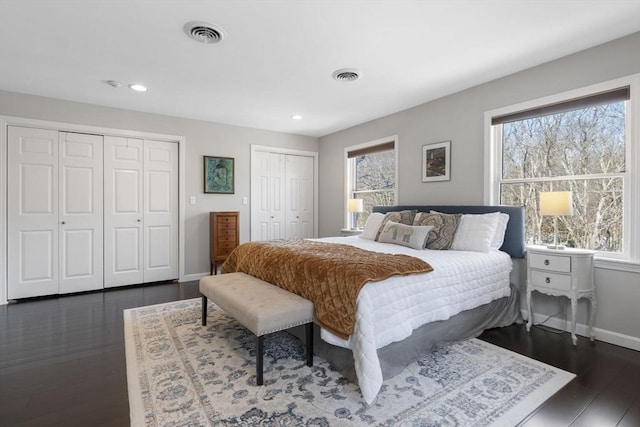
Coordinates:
x,y
259,352
204,310
309,333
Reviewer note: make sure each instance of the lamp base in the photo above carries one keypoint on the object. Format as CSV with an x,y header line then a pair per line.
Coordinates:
x,y
556,247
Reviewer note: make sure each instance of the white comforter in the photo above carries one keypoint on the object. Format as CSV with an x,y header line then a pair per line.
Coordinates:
x,y
388,311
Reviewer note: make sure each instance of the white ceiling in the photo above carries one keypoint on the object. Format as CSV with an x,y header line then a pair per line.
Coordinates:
x,y
278,56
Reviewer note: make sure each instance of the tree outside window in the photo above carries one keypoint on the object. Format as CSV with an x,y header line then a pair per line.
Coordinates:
x,y
372,177
580,150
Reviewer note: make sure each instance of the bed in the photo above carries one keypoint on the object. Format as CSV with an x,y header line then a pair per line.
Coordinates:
x,y
400,318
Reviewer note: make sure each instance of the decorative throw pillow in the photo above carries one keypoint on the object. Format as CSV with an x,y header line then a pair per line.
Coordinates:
x,y
402,217
501,229
475,233
371,227
406,235
444,228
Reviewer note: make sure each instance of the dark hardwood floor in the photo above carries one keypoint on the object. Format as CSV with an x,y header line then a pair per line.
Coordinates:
x,y
62,364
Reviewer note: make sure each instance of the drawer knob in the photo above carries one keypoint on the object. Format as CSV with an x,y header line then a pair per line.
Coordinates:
x,y
547,280
546,262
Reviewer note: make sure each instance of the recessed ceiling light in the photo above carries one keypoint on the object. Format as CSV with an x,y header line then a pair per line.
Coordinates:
x,y
346,75
296,117
113,83
138,87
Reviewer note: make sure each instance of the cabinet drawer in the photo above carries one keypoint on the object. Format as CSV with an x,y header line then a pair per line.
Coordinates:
x,y
226,244
227,227
559,263
224,253
226,239
226,219
544,279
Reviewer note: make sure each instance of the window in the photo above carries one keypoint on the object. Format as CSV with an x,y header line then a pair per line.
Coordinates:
x,y
371,176
582,142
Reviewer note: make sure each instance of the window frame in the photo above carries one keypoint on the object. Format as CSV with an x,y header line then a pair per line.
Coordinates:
x,y
629,258
349,173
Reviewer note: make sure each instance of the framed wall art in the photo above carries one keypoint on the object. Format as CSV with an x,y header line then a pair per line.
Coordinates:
x,y
436,161
219,175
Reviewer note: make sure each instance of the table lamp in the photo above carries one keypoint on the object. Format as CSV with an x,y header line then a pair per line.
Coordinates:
x,y
354,206
555,204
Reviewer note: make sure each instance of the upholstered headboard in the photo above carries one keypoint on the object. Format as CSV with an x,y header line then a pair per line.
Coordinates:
x,y
513,238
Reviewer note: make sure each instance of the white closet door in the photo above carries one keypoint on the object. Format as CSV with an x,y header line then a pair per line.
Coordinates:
x,y
306,196
160,211
277,165
267,196
299,196
32,212
123,211
292,196
81,212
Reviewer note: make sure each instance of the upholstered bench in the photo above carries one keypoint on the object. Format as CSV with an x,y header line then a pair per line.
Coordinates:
x,y
260,307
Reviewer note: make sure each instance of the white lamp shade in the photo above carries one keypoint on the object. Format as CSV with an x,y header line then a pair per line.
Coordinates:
x,y
354,205
556,203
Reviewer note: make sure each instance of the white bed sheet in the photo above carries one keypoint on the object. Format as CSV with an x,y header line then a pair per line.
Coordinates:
x,y
389,310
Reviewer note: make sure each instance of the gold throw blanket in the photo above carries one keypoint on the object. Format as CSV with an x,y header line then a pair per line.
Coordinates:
x,y
328,274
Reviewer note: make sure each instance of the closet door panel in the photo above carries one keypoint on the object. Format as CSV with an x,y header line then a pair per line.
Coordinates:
x,y
306,197
277,208
292,199
32,212
81,212
160,211
123,187
260,204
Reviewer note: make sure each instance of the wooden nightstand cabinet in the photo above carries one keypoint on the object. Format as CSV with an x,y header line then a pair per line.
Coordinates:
x,y
224,236
567,272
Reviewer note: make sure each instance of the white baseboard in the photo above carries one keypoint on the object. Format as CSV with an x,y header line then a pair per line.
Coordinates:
x,y
194,276
604,335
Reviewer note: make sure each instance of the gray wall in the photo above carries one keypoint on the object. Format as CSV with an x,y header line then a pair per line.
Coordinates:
x,y
202,138
459,118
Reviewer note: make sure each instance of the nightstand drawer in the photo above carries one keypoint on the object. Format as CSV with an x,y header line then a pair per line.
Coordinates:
x,y
545,279
558,263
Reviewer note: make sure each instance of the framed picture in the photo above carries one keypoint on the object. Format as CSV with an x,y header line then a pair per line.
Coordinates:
x,y
436,161
219,175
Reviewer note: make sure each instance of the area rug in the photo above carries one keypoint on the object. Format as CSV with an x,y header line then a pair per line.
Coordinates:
x,y
180,373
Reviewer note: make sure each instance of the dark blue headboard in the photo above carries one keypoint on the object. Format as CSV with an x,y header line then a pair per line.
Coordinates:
x,y
513,238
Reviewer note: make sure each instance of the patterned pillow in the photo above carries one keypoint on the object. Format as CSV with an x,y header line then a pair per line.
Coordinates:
x,y
406,235
444,228
401,217
372,226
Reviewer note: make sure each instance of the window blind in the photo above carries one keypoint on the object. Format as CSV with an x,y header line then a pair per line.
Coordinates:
x,y
608,97
386,146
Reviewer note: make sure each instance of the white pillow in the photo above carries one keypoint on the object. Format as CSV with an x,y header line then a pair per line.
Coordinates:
x,y
475,233
413,236
501,228
372,226
498,238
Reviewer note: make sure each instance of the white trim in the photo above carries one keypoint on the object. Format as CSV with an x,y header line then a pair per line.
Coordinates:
x,y
492,164
295,152
347,179
6,121
3,210
194,276
604,335
616,264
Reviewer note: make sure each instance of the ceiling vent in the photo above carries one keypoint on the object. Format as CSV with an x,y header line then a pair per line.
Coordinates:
x,y
203,32
346,75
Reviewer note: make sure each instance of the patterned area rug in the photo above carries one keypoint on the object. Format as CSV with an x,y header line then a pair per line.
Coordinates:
x,y
180,373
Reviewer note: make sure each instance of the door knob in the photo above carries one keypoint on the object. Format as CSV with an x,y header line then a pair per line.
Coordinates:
x,y
62,223
138,220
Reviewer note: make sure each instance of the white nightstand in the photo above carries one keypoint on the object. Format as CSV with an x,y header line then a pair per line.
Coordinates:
x,y
350,232
567,272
